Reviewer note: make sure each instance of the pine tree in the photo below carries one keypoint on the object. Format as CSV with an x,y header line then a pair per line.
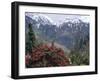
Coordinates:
x,y
31,43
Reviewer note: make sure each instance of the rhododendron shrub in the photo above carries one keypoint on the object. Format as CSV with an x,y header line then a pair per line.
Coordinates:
x,y
46,56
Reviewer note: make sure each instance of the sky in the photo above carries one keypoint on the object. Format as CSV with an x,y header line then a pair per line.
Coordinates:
x,y
59,18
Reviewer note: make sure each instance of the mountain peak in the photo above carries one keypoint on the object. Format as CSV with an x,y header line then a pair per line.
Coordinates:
x,y
40,18
73,20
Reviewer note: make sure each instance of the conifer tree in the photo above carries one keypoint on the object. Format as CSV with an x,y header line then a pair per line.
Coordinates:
x,y
31,42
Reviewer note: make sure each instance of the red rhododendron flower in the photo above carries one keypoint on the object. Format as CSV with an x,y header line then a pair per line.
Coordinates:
x,y
27,59
56,56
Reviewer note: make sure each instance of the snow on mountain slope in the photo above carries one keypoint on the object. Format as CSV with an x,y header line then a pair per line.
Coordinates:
x,y
42,19
73,20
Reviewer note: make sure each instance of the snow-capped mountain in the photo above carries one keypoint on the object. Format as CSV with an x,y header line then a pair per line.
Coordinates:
x,y
65,33
72,20
73,24
41,23
41,19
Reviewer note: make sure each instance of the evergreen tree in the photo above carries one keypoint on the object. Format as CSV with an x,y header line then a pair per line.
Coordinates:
x,y
31,42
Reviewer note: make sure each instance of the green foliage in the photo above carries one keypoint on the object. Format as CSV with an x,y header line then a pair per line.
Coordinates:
x,y
79,59
81,56
80,53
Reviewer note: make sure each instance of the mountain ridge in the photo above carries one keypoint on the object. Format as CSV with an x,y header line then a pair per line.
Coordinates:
x,y
66,34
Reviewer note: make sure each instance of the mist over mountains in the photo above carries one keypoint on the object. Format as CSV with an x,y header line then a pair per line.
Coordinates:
x,y
68,33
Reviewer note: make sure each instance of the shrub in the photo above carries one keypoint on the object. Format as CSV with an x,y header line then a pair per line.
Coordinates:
x,y
46,56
